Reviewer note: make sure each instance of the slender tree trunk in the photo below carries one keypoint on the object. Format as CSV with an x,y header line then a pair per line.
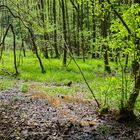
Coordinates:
x,y
126,62
60,27
42,13
77,36
55,30
64,33
93,29
87,38
74,30
3,41
14,50
81,29
14,46
104,35
68,26
36,50
78,31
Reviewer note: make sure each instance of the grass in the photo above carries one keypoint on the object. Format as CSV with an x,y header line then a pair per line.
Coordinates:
x,y
24,87
6,83
55,72
107,88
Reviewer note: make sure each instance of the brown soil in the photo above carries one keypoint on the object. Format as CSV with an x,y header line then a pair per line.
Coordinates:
x,y
36,116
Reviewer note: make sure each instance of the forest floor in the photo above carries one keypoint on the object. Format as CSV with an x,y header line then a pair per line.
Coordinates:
x,y
36,116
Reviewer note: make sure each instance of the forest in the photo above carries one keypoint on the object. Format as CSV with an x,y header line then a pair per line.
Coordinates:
x,y
69,69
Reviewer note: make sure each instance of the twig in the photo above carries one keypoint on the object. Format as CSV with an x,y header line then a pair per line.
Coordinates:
x,y
72,57
13,129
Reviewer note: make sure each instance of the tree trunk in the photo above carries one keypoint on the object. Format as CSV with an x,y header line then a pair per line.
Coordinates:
x,y
81,29
43,16
93,29
127,113
74,30
104,35
76,26
68,27
78,31
36,50
14,50
55,30
64,33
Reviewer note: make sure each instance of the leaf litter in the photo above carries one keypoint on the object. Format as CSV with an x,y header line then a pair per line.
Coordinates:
x,y
34,116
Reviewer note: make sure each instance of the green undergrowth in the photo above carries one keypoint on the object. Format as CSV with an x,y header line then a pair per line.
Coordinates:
x,y
24,87
106,87
6,83
29,68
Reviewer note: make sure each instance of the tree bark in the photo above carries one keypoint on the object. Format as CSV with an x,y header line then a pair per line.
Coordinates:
x,y
42,13
55,30
104,35
64,33
36,50
14,49
93,29
81,29
127,113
